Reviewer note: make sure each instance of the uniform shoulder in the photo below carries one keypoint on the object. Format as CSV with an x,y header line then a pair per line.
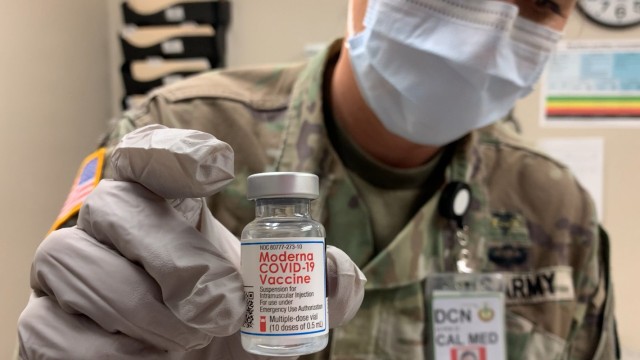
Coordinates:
x,y
260,87
501,135
520,176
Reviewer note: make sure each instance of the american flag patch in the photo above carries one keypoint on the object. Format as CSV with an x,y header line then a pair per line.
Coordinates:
x,y
87,179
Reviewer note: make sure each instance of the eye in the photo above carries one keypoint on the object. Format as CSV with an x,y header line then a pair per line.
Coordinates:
x,y
549,4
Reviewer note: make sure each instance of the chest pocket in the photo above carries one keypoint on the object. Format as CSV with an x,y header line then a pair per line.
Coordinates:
x,y
540,295
540,312
527,341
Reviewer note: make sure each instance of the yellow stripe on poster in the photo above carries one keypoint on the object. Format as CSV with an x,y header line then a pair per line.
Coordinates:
x,y
603,105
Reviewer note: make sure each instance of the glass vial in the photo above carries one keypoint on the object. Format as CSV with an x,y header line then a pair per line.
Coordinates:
x,y
284,268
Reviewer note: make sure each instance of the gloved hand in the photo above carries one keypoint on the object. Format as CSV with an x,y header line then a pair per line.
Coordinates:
x,y
143,277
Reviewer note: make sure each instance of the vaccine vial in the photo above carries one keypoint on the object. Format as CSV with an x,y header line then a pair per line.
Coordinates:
x,y
284,268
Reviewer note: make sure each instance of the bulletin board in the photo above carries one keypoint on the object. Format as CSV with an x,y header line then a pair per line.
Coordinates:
x,y
591,83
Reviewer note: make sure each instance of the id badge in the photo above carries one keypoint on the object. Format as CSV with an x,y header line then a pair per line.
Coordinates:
x,y
467,313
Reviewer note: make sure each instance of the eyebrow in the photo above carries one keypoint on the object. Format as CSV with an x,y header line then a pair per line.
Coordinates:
x,y
550,4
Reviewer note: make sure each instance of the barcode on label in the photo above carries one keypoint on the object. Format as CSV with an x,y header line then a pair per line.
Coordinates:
x,y
248,297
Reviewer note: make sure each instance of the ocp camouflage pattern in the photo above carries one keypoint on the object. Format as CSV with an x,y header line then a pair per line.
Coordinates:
x,y
272,117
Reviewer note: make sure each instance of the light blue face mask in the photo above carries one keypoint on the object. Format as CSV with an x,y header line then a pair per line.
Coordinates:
x,y
433,70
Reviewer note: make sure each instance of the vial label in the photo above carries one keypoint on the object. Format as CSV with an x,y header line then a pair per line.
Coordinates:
x,y
285,287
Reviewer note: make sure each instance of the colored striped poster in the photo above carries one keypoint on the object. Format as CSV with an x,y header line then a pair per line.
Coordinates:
x,y
593,83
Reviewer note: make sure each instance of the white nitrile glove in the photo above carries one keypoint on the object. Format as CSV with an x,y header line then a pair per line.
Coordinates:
x,y
143,277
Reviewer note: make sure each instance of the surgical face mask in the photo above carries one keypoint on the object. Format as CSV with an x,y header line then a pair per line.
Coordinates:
x,y
433,70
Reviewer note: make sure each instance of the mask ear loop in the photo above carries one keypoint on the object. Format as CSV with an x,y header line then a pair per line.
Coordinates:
x,y
351,31
350,27
368,17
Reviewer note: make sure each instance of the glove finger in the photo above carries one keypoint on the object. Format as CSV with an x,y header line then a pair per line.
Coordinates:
x,y
197,214
199,283
345,287
45,331
174,163
190,209
87,277
226,243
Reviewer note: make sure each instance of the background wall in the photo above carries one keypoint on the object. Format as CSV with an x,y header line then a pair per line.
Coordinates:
x,y
60,84
54,100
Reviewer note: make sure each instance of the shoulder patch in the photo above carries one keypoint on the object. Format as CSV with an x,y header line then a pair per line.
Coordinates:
x,y
498,134
86,180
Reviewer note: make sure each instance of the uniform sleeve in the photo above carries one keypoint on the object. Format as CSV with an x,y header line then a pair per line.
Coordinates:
x,y
116,130
254,133
595,336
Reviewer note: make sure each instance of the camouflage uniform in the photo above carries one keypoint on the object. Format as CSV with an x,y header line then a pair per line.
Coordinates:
x,y
273,119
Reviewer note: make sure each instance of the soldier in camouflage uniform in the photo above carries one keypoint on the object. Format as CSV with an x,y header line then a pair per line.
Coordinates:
x,y
386,218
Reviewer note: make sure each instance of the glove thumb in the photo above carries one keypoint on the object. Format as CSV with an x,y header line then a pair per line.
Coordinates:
x,y
182,165
173,163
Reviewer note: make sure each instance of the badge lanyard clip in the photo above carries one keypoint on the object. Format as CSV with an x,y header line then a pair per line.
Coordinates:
x,y
453,205
466,307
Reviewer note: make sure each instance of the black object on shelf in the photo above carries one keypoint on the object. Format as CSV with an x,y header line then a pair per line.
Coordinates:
x,y
137,85
174,47
217,13
163,42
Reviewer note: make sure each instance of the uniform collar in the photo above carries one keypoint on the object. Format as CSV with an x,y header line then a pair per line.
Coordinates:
x,y
417,250
305,143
